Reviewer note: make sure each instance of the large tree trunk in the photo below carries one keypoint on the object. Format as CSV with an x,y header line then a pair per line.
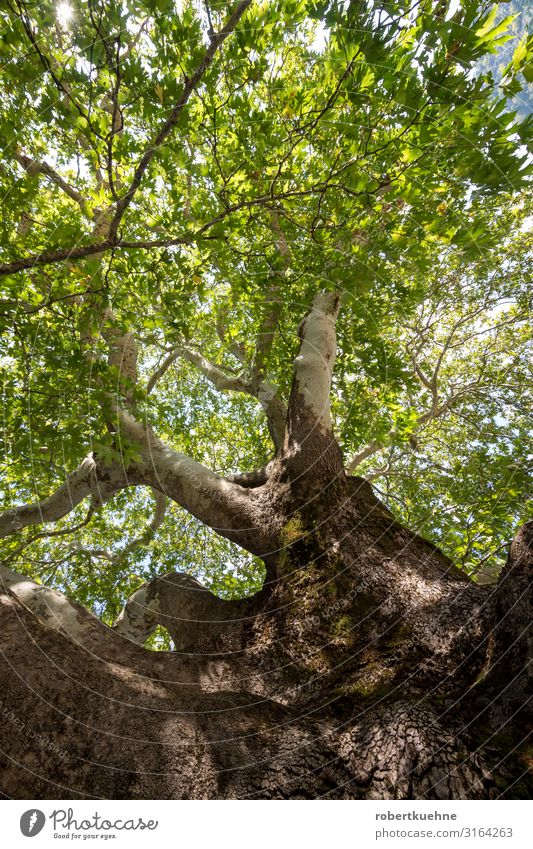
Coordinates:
x,y
368,667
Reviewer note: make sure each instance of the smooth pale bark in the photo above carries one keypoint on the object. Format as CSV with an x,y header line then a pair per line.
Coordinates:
x,y
225,506
219,503
85,481
122,357
50,607
274,407
139,618
313,368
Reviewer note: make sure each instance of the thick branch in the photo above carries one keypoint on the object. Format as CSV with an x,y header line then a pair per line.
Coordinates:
x,y
258,477
50,607
309,405
33,167
84,481
122,356
219,378
53,256
222,505
512,616
189,611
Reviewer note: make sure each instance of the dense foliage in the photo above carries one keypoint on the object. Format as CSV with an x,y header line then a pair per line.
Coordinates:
x,y
359,145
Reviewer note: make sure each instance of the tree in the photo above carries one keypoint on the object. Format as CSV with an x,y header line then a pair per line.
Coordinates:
x,y
195,198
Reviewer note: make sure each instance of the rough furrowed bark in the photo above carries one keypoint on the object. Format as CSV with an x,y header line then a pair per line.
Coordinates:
x,y
130,724
367,667
359,672
190,612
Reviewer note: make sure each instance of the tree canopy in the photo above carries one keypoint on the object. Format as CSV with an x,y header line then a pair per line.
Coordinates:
x,y
178,181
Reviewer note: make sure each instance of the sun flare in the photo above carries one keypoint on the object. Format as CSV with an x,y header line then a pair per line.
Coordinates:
x,y
64,13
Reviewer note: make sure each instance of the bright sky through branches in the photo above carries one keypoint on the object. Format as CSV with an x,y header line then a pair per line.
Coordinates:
x,y
64,13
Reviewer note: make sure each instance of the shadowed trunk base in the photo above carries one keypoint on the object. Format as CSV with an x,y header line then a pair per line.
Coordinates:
x,y
367,668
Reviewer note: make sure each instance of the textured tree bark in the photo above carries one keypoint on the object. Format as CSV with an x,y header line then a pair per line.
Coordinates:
x,y
368,667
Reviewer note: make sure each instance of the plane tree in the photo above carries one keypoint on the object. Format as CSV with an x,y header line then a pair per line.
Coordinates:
x,y
265,402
